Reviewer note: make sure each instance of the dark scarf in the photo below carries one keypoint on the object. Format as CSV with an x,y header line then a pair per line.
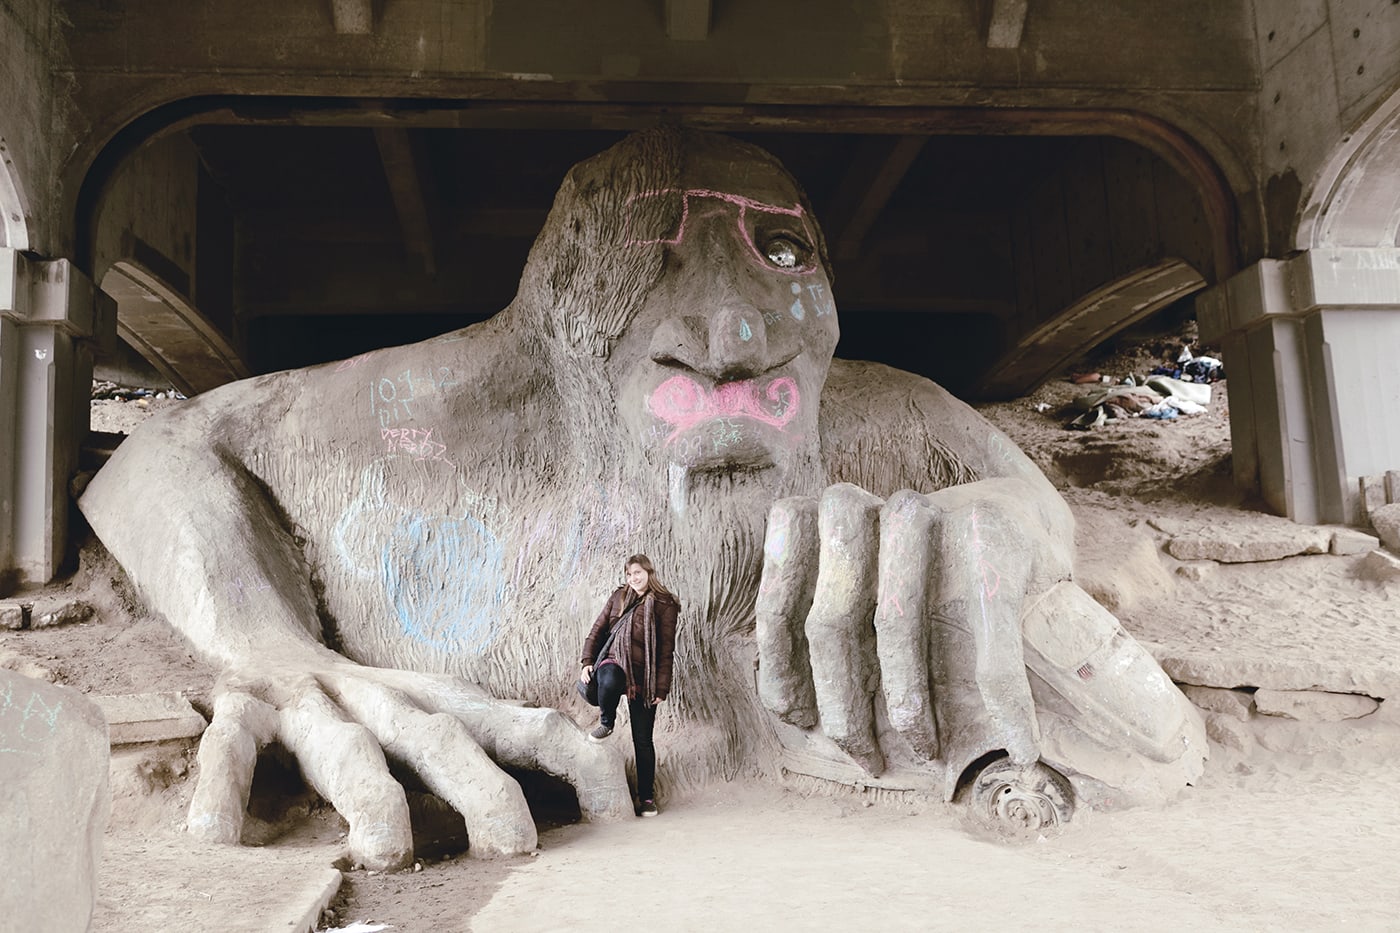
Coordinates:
x,y
624,648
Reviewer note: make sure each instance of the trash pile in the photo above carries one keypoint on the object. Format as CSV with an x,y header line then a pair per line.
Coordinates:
x,y
102,389
1193,368
1166,393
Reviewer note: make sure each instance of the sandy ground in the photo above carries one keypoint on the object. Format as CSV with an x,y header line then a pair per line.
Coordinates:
x,y
1293,827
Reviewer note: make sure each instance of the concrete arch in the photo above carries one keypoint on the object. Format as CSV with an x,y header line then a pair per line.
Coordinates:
x,y
169,332
14,209
1355,199
1087,322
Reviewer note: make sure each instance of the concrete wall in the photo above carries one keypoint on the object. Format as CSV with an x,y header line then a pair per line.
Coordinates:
x,y
1267,89
1111,209
1203,44
1309,340
158,218
1326,64
1194,70
149,214
27,94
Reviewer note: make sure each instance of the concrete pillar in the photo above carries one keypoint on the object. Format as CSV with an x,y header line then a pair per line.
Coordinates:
x,y
50,317
1311,347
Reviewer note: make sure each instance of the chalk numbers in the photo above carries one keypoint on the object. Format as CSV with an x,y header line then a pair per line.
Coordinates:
x,y
391,398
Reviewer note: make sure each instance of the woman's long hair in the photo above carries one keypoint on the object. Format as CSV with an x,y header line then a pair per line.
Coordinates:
x,y
653,584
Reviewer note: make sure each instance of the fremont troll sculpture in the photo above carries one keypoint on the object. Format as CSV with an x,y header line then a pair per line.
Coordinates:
x,y
388,554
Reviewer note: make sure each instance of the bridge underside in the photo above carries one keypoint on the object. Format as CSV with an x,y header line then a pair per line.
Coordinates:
x,y
957,241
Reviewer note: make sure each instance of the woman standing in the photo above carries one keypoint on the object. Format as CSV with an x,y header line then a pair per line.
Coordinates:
x,y
636,636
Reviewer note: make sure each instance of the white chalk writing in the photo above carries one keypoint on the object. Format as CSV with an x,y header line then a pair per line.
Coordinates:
x,y
391,399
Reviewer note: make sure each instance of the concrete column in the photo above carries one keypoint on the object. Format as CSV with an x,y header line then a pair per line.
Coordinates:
x,y
9,447
1312,352
50,317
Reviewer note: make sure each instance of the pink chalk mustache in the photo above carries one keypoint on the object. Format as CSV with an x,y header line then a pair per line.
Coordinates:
x,y
683,403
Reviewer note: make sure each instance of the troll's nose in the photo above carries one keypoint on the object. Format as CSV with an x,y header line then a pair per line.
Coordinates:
x,y
730,344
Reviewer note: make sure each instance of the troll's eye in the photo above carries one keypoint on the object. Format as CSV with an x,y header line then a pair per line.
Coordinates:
x,y
785,253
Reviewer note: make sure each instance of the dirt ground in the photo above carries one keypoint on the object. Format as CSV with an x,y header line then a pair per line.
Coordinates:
x,y
1293,826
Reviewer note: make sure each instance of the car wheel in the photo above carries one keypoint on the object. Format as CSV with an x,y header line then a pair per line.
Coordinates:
x,y
1035,797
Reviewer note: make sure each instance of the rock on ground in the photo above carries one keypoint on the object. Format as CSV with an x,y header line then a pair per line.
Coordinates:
x,y
53,794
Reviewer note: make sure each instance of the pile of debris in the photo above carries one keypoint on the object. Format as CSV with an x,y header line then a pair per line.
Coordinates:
x,y
102,389
1164,394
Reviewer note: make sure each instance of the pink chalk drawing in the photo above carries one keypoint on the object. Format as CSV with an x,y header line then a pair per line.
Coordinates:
x,y
991,577
683,403
241,589
743,206
351,363
417,441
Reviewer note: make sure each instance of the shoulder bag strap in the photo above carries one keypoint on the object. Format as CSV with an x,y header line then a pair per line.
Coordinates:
x,y
617,627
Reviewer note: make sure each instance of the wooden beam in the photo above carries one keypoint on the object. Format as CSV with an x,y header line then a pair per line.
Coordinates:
x,y
406,187
1006,24
878,168
353,17
688,20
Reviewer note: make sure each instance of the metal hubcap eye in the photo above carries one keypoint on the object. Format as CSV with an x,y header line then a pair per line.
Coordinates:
x,y
1022,799
783,254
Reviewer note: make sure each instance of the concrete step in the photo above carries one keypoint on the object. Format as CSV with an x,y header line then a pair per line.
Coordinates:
x,y
138,718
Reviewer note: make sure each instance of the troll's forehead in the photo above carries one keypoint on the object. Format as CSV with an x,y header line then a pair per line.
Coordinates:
x,y
604,245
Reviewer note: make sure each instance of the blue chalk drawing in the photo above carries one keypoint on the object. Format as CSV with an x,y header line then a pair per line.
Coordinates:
x,y
445,578
24,727
775,546
797,310
745,332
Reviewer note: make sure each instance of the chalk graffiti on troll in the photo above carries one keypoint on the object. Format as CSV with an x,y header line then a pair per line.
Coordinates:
x,y
683,403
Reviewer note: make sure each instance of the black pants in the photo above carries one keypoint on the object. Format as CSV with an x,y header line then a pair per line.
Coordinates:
x,y
612,686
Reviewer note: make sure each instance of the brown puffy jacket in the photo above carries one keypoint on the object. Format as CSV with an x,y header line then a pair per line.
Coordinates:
x,y
644,647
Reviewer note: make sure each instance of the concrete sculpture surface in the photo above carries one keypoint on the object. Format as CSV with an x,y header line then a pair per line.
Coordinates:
x,y
54,795
388,553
